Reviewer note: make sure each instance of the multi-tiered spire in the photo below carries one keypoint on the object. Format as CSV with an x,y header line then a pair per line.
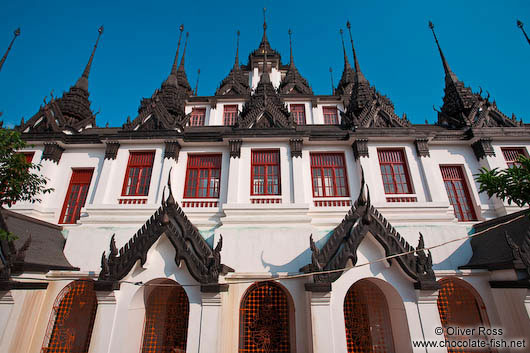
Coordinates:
x,y
293,82
16,33
236,83
72,111
182,78
346,81
367,107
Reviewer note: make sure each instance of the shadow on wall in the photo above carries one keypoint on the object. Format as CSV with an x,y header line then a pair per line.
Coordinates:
x,y
460,256
296,263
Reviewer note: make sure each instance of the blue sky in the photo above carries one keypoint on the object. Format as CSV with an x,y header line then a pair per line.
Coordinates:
x,y
395,48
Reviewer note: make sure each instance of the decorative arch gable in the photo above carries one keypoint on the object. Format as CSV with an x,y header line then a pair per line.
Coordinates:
x,y
341,247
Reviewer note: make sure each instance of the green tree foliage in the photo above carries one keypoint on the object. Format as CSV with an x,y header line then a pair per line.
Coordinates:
x,y
511,185
18,178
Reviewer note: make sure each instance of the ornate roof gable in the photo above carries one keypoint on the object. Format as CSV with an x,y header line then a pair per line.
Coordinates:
x,y
166,107
367,107
236,83
461,107
265,108
203,262
71,112
293,82
341,247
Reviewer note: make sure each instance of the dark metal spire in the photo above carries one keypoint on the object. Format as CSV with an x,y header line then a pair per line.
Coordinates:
x,y
519,24
236,62
356,66
346,62
197,83
332,85
16,33
264,38
265,78
172,79
83,80
181,66
447,69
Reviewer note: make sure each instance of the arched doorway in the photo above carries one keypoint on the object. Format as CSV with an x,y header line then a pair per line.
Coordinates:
x,y
166,318
70,326
367,319
265,320
460,306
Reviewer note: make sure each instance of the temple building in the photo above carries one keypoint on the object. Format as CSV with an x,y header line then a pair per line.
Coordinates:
x,y
265,218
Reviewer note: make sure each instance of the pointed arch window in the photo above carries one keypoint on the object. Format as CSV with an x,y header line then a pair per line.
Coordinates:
x,y
367,319
460,306
73,314
166,319
264,320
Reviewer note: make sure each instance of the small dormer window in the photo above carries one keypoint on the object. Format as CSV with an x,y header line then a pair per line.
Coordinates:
x,y
330,115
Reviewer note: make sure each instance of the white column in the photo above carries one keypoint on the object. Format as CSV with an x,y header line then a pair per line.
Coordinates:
x,y
321,322
104,322
233,180
6,305
104,182
527,302
210,323
429,320
434,181
298,180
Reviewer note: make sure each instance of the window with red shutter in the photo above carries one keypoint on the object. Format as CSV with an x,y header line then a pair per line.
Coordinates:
x,y
298,113
28,156
330,115
511,154
229,114
458,192
76,195
265,173
203,176
197,116
328,172
138,174
394,171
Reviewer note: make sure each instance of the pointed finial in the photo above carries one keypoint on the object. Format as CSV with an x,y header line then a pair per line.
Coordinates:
x,y
346,62
236,62
291,47
447,69
83,80
355,62
264,38
175,62
181,66
520,25
16,33
332,85
197,83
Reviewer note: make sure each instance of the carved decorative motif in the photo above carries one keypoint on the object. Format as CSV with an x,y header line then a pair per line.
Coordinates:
x,y
422,147
341,247
235,148
360,148
203,262
111,149
483,148
172,150
52,151
521,254
296,147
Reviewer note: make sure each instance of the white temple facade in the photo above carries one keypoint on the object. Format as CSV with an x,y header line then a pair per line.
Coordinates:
x,y
265,218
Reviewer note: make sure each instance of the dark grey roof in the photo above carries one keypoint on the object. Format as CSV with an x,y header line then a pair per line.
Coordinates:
x,y
491,249
45,250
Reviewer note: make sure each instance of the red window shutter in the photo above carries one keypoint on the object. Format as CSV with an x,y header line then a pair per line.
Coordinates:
x,y
229,114
458,192
328,173
203,176
330,115
28,156
511,154
265,173
76,195
298,113
138,174
394,171
197,116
